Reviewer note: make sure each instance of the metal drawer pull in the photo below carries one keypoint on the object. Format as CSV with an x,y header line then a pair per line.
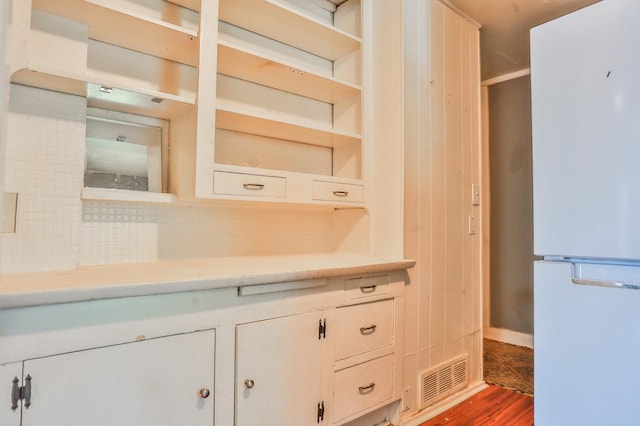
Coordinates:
x,y
204,393
253,186
341,193
368,330
368,288
249,383
368,388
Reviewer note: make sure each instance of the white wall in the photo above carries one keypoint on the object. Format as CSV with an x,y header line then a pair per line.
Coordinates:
x,y
511,288
442,143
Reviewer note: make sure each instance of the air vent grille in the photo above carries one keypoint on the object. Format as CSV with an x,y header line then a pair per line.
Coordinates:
x,y
442,380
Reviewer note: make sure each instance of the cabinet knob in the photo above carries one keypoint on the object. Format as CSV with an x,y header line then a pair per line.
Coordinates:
x,y
249,383
204,393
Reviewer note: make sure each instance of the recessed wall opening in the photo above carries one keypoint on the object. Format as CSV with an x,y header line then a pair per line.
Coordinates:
x,y
125,151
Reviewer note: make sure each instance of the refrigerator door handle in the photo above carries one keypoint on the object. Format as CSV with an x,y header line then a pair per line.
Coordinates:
x,y
579,276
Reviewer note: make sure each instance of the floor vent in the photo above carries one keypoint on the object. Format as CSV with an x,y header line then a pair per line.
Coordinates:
x,y
443,380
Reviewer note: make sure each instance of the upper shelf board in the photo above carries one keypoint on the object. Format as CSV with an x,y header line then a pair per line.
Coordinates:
x,y
229,118
285,24
241,63
112,22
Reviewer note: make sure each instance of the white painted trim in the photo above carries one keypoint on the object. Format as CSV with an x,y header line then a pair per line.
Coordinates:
x,y
506,77
508,336
127,196
434,410
457,10
485,207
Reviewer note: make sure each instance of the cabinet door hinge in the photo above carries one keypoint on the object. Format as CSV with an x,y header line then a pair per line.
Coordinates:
x,y
322,329
320,411
21,393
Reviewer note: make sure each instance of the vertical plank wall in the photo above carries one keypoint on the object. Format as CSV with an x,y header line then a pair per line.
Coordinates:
x,y
442,142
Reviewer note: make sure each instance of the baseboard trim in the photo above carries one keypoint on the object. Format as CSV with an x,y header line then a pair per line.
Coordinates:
x,y
508,336
441,407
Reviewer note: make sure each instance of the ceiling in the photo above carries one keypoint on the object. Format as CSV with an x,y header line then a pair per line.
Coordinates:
x,y
504,35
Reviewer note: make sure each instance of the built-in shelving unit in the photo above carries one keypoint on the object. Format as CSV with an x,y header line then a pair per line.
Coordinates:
x,y
288,105
275,93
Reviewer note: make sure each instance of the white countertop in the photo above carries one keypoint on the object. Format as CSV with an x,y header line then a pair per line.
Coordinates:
x,y
173,276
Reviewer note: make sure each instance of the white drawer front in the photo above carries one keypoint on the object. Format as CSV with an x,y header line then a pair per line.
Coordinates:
x,y
225,183
356,288
362,328
362,386
330,191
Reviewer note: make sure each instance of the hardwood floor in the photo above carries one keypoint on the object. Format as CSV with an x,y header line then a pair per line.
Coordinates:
x,y
492,406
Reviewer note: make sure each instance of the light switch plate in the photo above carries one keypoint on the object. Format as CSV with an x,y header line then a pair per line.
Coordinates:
x,y
475,194
9,209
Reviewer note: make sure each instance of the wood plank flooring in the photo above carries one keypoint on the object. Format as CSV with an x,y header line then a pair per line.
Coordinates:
x,y
492,406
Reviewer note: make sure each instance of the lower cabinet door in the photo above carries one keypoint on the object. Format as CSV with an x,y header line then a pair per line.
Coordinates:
x,y
167,381
10,382
279,371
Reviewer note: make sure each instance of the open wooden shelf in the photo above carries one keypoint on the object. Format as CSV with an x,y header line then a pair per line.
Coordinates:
x,y
114,23
285,24
230,118
125,99
242,63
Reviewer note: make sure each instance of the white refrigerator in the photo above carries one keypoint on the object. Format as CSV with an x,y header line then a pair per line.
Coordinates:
x,y
585,87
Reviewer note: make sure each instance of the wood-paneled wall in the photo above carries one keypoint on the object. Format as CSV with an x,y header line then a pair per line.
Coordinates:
x,y
442,154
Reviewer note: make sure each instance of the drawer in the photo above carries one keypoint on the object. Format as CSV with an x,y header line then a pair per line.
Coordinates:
x,y
331,191
362,328
249,185
355,288
363,386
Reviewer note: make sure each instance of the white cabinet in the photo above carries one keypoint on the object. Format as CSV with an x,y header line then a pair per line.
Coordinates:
x,y
367,348
278,355
327,367
162,381
279,370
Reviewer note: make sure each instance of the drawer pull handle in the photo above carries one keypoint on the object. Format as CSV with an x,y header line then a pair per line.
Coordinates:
x,y
204,393
341,193
368,288
249,384
368,388
368,330
253,186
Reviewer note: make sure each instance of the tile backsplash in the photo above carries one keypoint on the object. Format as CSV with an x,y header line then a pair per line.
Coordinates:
x,y
121,232
56,230
44,164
